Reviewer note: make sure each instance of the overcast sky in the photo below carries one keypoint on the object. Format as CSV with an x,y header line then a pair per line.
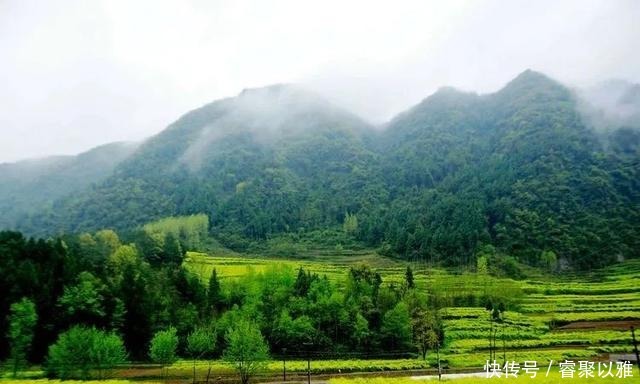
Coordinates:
x,y
76,74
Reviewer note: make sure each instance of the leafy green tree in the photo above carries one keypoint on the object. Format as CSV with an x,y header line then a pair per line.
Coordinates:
x,y
172,250
408,278
481,265
549,260
84,301
396,328
350,224
215,299
425,332
246,349
22,321
303,282
292,333
107,352
107,241
201,342
163,347
81,351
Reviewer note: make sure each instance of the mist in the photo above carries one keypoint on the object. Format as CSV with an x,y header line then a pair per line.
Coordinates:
x,y
79,74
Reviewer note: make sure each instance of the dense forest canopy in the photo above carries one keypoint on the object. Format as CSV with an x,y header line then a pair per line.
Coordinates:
x,y
516,175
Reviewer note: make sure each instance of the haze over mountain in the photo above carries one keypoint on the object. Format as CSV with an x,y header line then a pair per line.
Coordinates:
x,y
30,186
520,170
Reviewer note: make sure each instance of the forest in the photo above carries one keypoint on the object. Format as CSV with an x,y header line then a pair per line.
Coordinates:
x,y
133,296
521,172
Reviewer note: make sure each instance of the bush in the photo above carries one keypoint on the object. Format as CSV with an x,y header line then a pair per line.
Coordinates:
x,y
82,352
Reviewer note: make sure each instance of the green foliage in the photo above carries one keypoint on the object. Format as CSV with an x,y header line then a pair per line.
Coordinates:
x,y
396,327
84,353
350,224
22,321
365,311
84,302
214,293
201,341
30,186
481,265
163,347
408,278
549,260
190,231
246,349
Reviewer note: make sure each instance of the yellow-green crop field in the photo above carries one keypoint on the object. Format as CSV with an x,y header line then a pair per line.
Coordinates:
x,y
556,318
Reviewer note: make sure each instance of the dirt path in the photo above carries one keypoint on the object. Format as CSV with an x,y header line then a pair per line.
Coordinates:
x,y
593,325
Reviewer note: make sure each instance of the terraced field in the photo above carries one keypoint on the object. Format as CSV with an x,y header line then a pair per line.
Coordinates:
x,y
567,317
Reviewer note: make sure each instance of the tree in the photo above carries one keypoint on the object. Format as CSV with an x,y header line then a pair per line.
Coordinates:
x,y
173,252
81,350
22,321
481,265
396,327
214,293
408,277
163,347
496,311
292,334
549,260
107,242
201,342
84,301
425,331
350,224
246,349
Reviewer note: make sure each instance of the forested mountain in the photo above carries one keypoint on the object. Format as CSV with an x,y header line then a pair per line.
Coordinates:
x,y
517,169
29,186
520,173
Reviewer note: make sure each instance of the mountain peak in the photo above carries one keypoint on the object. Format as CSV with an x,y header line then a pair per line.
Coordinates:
x,y
531,78
273,88
532,85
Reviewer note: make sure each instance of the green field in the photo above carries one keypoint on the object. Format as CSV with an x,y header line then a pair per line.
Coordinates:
x,y
554,318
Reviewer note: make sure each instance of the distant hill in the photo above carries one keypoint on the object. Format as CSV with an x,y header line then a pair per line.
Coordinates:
x,y
519,172
31,186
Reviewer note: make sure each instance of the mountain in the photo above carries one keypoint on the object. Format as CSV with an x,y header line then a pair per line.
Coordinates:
x,y
521,173
518,170
254,163
30,186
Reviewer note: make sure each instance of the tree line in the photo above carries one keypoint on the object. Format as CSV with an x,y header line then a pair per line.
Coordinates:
x,y
118,299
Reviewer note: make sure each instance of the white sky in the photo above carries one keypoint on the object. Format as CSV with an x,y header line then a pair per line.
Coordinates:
x,y
76,74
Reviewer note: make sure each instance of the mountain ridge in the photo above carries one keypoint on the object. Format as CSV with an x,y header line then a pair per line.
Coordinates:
x,y
453,173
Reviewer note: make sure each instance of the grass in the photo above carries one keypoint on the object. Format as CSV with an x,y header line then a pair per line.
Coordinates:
x,y
553,378
52,381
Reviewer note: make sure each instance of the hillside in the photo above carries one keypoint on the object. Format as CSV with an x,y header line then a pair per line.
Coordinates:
x,y
518,173
517,169
30,186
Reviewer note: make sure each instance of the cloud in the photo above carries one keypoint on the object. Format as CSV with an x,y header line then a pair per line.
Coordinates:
x,y
77,74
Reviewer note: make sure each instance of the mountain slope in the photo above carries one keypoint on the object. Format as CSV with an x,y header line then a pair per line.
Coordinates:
x,y
518,170
31,185
517,173
254,163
